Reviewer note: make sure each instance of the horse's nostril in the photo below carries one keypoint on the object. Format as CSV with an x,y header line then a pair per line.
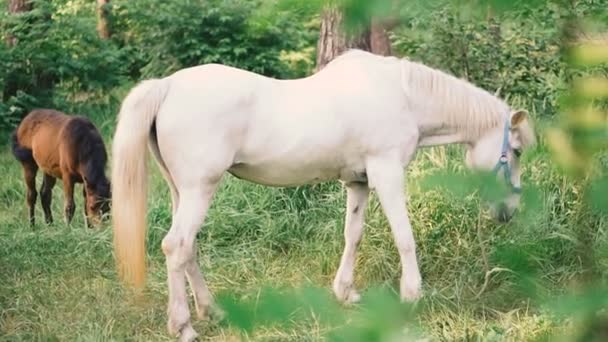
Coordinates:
x,y
503,214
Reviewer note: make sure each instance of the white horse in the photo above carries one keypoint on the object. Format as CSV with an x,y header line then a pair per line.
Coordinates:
x,y
359,120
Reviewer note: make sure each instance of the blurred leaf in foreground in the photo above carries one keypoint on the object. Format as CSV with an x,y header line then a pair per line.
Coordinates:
x,y
598,195
590,53
490,187
380,317
587,311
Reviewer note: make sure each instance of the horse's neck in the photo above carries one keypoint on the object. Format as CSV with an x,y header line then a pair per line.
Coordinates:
x,y
447,110
441,138
435,130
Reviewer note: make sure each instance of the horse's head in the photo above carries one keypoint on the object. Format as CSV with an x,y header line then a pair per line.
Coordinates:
x,y
98,197
499,150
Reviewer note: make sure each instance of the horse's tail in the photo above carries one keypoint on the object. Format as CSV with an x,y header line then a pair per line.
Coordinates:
x,y
130,179
23,154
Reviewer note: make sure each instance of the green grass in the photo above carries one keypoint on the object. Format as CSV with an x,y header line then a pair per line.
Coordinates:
x,y
59,282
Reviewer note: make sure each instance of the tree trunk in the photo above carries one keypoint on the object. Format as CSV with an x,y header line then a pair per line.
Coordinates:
x,y
493,25
14,7
380,43
333,41
103,19
10,83
30,78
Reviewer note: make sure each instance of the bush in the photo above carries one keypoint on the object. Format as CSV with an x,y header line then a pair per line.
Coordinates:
x,y
57,46
522,58
59,59
163,37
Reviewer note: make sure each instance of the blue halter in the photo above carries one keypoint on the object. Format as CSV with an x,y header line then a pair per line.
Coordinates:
x,y
503,161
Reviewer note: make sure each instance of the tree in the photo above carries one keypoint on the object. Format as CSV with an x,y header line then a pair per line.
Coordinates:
x,y
14,8
30,72
333,40
379,40
103,19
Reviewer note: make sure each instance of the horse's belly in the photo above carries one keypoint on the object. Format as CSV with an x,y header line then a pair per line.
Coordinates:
x,y
54,171
48,163
281,175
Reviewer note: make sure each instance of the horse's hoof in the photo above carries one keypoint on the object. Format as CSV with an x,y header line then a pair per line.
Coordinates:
x,y
210,313
353,297
411,294
178,323
411,287
216,313
347,294
187,334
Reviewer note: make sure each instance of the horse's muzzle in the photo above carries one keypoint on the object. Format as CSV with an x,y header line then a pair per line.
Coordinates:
x,y
502,212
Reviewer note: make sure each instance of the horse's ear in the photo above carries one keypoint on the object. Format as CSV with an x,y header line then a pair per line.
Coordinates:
x,y
518,117
497,93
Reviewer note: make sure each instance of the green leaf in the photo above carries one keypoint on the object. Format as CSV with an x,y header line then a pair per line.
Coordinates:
x,y
598,195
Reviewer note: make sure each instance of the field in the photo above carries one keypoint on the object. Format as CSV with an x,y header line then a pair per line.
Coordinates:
x,y
58,282
541,277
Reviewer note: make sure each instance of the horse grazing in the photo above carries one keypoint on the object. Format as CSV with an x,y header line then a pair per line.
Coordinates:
x,y
66,147
359,120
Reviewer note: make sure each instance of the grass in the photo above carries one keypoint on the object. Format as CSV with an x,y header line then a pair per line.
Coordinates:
x,y
58,282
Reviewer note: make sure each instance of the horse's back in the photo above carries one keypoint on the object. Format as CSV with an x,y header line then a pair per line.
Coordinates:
x,y
40,133
43,124
282,132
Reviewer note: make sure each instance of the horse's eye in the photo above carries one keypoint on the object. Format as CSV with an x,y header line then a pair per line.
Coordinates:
x,y
517,152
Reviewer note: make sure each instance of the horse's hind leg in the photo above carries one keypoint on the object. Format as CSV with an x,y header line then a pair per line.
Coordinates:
x,y
198,285
356,202
29,173
202,296
203,300
179,246
68,198
46,196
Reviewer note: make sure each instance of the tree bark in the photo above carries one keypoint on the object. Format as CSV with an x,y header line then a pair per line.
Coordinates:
x,y
31,78
103,19
15,7
380,42
333,41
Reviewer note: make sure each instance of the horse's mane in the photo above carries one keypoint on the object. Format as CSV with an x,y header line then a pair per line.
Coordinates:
x,y
90,150
469,108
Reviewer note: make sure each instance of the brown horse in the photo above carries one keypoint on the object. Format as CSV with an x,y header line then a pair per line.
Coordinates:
x,y
66,147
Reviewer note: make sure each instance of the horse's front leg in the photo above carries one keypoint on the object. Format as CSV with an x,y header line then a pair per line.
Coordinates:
x,y
87,220
356,202
68,194
386,177
46,196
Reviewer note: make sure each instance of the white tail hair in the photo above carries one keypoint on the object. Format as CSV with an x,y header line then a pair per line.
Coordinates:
x,y
130,177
